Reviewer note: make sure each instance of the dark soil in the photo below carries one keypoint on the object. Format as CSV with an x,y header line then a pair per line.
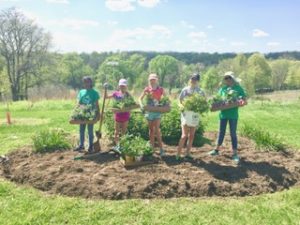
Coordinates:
x,y
104,177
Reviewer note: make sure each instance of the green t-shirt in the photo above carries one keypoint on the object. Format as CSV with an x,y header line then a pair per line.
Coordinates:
x,y
232,113
88,96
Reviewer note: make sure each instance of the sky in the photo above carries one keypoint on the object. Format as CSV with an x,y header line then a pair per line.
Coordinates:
x,y
166,25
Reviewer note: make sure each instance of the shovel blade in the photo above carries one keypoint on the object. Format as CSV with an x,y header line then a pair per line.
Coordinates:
x,y
97,147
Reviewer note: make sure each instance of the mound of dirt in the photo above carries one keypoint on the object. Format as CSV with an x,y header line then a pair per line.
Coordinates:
x,y
104,177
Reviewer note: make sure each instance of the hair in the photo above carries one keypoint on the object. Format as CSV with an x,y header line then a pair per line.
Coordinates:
x,y
190,83
149,83
88,78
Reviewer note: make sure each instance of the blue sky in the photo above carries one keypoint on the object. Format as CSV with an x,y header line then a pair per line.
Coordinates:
x,y
166,25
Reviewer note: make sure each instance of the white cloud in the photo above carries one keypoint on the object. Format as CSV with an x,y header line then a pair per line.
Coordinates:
x,y
186,24
120,5
31,15
237,43
148,3
69,42
112,23
197,35
139,33
273,44
222,39
259,33
75,24
130,5
209,26
58,1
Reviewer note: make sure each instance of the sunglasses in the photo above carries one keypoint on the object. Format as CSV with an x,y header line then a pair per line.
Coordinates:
x,y
227,78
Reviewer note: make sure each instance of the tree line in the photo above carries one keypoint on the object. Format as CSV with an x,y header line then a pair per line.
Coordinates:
x,y
26,62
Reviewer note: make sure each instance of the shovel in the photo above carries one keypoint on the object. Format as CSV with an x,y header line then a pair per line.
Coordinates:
x,y
97,147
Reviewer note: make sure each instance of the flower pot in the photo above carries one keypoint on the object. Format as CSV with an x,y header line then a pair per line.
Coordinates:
x,y
139,158
129,159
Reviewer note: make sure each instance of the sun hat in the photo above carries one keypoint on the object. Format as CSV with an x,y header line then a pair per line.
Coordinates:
x,y
122,82
229,74
232,76
153,76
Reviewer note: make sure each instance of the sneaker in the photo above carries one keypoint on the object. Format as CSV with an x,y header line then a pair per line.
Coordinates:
x,y
91,150
79,149
116,148
236,158
214,152
179,158
161,152
188,157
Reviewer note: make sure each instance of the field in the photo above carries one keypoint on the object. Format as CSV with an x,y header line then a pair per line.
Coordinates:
x,y
21,204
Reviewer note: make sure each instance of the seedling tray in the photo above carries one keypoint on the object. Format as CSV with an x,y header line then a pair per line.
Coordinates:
x,y
225,106
128,109
161,109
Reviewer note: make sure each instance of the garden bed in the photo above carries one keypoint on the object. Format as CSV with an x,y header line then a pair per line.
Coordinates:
x,y
104,177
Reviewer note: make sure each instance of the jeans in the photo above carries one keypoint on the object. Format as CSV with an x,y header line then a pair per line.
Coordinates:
x,y
82,134
222,130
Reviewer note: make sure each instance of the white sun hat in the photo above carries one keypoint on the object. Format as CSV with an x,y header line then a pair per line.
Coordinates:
x,y
153,76
123,82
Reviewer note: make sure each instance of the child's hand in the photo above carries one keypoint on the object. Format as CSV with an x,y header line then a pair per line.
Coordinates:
x,y
181,107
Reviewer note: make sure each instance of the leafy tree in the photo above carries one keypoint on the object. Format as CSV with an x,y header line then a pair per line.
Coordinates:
x,y
259,71
280,69
293,78
73,69
167,69
211,80
23,46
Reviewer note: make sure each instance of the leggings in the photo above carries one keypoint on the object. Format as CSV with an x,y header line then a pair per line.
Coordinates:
x,y
222,130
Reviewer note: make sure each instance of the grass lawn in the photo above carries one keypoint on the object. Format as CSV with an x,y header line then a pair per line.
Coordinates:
x,y
24,205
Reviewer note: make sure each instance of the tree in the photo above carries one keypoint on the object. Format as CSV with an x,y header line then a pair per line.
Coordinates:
x,y
293,78
259,71
23,45
211,80
115,67
167,69
73,69
280,69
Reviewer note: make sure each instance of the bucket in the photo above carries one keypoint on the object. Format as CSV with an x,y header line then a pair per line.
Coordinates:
x,y
190,118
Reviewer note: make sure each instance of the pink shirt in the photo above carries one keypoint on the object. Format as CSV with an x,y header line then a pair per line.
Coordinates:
x,y
121,116
156,93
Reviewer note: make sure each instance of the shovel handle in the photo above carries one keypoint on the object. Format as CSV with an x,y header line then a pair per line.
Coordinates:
x,y
102,111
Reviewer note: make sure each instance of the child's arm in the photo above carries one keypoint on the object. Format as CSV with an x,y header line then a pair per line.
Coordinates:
x,y
141,99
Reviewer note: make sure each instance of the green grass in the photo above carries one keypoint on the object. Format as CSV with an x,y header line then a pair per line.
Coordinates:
x,y
21,205
24,205
278,118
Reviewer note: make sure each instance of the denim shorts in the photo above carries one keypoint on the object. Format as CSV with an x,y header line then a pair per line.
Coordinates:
x,y
152,115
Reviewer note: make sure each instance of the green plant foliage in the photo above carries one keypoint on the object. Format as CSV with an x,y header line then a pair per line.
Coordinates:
x,y
84,112
50,140
196,103
122,103
262,138
170,127
135,146
231,96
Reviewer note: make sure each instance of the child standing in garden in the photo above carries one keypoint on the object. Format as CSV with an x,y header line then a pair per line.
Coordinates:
x,y
153,93
229,115
188,130
121,118
85,97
